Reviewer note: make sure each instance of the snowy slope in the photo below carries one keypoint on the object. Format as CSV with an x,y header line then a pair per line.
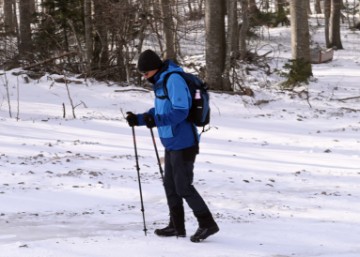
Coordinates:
x,y
282,177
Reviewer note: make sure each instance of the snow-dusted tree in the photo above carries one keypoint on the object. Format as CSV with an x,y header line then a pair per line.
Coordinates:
x,y
215,43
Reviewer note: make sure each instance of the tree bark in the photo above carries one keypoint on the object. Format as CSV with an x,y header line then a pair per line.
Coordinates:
x,y
32,8
169,31
88,34
9,17
101,49
244,29
215,43
232,45
335,37
308,6
317,7
280,4
253,7
25,44
327,11
300,38
300,42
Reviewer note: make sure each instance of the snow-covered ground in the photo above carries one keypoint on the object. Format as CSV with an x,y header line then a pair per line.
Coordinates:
x,y
280,171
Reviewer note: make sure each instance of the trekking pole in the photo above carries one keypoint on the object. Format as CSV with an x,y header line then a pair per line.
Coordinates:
x,y
157,154
138,173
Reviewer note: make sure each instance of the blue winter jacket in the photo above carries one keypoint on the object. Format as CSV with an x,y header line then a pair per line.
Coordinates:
x,y
170,113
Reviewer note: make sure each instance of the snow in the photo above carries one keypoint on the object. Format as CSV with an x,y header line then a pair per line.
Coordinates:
x,y
282,178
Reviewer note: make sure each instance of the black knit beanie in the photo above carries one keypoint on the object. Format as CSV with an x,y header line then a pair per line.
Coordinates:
x,y
149,60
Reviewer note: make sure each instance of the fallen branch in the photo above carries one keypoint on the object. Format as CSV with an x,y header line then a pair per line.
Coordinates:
x,y
349,109
65,80
49,60
134,89
347,98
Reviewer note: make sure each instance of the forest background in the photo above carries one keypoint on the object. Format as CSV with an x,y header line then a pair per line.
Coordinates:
x,y
102,39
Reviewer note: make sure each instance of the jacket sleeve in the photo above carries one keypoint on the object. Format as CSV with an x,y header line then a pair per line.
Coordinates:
x,y
180,100
140,117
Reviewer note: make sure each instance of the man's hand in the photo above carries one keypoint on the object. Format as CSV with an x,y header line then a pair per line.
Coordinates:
x,y
132,119
149,120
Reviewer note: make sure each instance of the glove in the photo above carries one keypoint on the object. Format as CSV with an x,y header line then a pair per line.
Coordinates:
x,y
149,120
132,119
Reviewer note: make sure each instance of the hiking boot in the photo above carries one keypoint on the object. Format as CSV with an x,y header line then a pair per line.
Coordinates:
x,y
207,227
169,231
176,225
203,233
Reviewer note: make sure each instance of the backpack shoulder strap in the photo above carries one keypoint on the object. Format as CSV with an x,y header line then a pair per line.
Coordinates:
x,y
166,95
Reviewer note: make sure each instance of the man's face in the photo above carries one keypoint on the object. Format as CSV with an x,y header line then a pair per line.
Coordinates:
x,y
149,74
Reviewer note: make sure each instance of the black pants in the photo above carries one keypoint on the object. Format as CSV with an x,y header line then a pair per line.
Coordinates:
x,y
178,179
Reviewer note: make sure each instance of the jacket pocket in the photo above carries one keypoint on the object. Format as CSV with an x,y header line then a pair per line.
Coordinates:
x,y
165,132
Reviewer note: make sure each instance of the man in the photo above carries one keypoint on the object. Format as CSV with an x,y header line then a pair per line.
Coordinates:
x,y
180,139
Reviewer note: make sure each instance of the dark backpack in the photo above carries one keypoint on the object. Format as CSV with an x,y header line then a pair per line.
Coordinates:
x,y
199,113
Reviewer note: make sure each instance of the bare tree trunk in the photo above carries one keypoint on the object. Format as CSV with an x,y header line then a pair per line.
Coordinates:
x,y
88,34
317,7
215,43
253,7
32,8
200,7
177,15
190,8
335,37
101,50
233,30
244,29
300,38
9,16
300,41
17,99
6,85
327,11
280,4
168,27
231,42
70,98
120,60
308,6
254,13
25,45
266,5
156,13
142,19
